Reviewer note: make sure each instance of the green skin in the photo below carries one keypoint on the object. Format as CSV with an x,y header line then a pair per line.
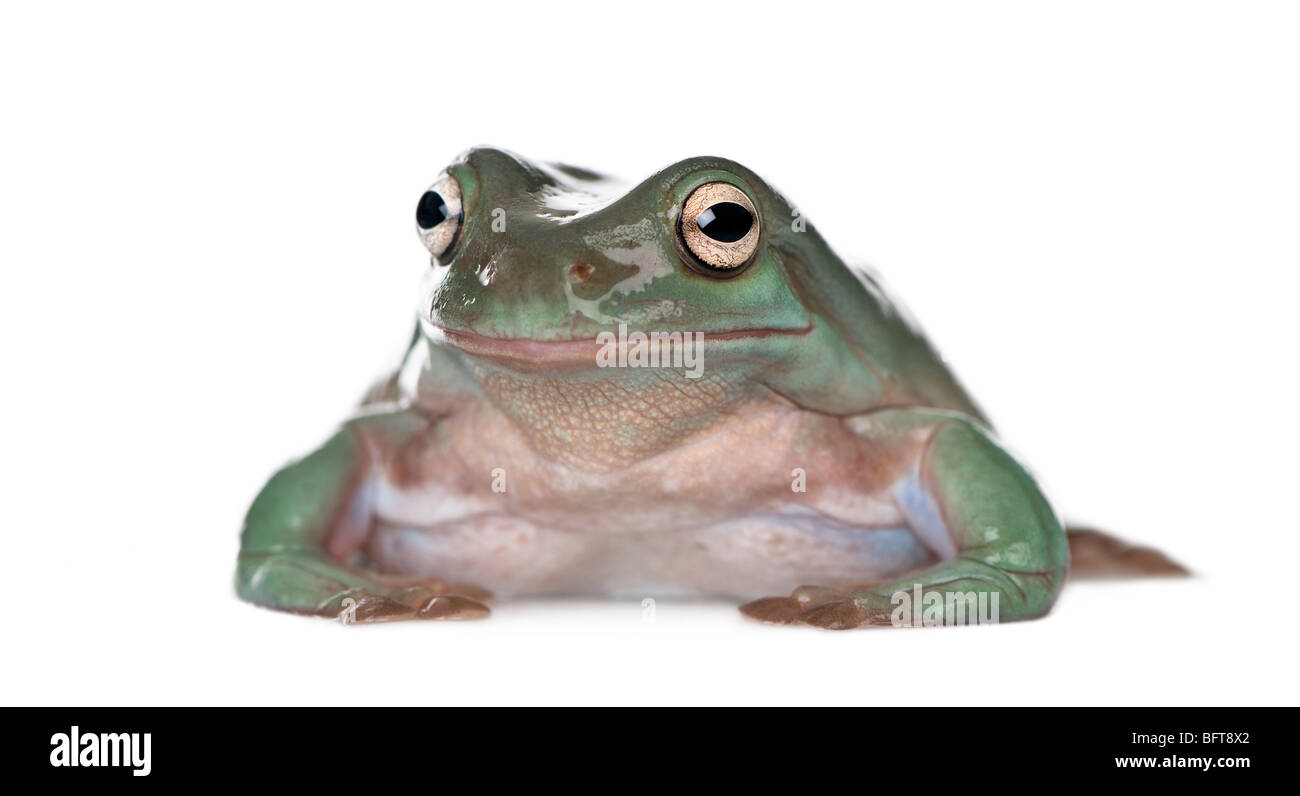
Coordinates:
x,y
807,365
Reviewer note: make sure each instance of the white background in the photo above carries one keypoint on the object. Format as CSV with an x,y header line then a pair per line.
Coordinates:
x,y
208,254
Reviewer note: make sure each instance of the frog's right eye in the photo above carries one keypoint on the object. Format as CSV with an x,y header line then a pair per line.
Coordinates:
x,y
438,217
717,230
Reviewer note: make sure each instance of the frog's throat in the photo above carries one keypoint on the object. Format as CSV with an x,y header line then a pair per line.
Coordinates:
x,y
530,354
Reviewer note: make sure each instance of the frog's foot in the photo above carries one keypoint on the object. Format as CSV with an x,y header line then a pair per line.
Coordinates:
x,y
312,584
823,607
414,602
1097,555
436,599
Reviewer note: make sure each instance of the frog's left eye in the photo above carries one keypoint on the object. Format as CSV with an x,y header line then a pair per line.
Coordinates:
x,y
718,229
438,217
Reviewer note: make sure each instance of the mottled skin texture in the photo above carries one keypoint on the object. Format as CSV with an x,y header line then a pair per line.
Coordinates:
x,y
640,481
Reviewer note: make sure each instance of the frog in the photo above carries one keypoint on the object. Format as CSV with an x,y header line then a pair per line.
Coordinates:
x,y
671,390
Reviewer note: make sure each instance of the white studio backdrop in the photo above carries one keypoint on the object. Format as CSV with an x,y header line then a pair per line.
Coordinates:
x,y
1090,207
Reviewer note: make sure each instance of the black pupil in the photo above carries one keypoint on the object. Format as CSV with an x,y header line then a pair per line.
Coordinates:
x,y
431,211
726,221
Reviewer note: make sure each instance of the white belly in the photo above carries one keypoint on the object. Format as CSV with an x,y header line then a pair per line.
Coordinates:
x,y
745,556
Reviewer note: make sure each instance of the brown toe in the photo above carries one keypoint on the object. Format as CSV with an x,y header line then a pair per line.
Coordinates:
x,y
453,606
773,610
361,606
834,615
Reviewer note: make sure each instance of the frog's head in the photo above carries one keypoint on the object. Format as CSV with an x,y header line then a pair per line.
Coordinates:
x,y
540,267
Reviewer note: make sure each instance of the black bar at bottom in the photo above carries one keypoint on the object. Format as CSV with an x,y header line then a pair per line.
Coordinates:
x,y
985,747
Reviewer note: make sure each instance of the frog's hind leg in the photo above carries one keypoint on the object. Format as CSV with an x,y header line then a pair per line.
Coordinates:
x,y
1097,555
301,528
998,540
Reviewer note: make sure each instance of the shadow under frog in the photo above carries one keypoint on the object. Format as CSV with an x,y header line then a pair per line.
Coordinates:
x,y
822,451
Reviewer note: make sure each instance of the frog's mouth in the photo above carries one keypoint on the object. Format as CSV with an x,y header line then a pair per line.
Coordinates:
x,y
588,352
523,350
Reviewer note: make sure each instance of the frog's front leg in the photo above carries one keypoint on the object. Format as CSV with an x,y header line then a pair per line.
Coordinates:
x,y
314,514
981,513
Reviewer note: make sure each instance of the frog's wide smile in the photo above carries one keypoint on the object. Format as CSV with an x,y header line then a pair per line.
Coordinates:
x,y
584,351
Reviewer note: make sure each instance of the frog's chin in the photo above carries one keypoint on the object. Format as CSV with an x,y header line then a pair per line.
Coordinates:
x,y
601,351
